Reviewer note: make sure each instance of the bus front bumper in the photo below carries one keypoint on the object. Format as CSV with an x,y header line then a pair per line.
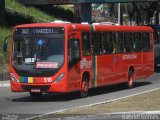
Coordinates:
x,y
26,87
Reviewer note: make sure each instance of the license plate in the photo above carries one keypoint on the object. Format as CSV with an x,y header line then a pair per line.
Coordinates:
x,y
35,90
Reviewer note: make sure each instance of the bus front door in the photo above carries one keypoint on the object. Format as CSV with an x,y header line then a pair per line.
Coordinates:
x,y
74,64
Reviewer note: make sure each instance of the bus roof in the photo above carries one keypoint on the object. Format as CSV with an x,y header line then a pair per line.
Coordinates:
x,y
88,27
122,28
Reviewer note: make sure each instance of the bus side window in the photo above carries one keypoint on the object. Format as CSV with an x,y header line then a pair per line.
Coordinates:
x,y
73,52
86,48
113,44
127,42
96,43
145,42
108,42
119,42
136,41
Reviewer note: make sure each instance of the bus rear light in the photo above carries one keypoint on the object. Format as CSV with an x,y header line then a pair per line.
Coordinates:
x,y
13,78
59,78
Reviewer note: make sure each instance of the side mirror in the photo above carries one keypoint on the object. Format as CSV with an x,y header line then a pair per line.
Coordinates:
x,y
5,44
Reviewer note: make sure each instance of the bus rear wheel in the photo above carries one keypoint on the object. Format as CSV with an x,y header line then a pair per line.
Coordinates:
x,y
84,87
36,96
130,82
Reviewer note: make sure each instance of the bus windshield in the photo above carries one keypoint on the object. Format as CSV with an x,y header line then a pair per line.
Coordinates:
x,y
38,55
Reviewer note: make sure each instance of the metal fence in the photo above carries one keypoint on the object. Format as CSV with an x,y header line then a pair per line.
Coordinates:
x,y
4,71
4,76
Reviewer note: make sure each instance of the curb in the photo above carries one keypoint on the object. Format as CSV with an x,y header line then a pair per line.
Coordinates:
x,y
103,116
136,112
108,101
5,83
132,115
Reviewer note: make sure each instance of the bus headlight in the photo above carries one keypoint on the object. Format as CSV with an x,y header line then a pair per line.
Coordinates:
x,y
13,78
59,78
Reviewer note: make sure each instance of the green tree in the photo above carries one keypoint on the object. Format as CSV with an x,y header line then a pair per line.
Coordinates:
x,y
142,12
2,12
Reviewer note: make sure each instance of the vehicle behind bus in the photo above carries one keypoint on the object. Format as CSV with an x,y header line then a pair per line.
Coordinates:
x,y
156,29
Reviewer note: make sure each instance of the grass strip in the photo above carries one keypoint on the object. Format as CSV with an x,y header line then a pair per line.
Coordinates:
x,y
28,11
145,102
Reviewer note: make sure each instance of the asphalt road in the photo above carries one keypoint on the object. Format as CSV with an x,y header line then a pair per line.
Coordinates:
x,y
20,104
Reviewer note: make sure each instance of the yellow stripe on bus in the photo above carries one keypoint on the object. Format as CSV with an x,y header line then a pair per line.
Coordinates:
x,y
30,79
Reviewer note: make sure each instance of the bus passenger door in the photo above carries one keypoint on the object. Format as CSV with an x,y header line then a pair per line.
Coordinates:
x,y
118,68
108,59
74,64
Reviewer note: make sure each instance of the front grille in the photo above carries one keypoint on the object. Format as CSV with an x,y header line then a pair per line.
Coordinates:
x,y
37,73
29,87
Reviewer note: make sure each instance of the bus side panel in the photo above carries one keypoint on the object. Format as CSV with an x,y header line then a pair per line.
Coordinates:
x,y
119,73
74,78
134,60
105,72
138,67
148,61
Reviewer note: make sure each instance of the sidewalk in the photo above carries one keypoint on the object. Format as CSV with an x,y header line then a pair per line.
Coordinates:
x,y
133,115
5,83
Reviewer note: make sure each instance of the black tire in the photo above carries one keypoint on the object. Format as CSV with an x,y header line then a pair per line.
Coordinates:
x,y
36,96
84,87
155,67
130,82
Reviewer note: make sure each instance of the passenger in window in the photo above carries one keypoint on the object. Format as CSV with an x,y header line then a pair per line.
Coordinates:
x,y
100,49
86,52
113,47
124,50
92,49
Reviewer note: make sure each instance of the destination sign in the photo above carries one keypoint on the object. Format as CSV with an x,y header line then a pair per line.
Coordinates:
x,y
39,31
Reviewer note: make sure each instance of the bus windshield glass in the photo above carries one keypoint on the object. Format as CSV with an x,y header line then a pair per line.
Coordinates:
x,y
38,51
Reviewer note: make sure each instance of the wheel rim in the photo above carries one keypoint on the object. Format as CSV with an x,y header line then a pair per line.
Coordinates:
x,y
130,81
84,87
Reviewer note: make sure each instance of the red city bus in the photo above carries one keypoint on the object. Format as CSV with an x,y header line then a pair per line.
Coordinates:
x,y
66,57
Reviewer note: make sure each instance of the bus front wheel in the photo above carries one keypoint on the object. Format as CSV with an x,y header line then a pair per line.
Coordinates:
x,y
130,82
84,87
36,96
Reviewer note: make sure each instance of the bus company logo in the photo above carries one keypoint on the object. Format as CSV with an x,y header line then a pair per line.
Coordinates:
x,y
46,65
129,57
85,64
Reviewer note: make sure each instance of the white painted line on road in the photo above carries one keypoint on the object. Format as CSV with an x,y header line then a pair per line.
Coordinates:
x,y
108,101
